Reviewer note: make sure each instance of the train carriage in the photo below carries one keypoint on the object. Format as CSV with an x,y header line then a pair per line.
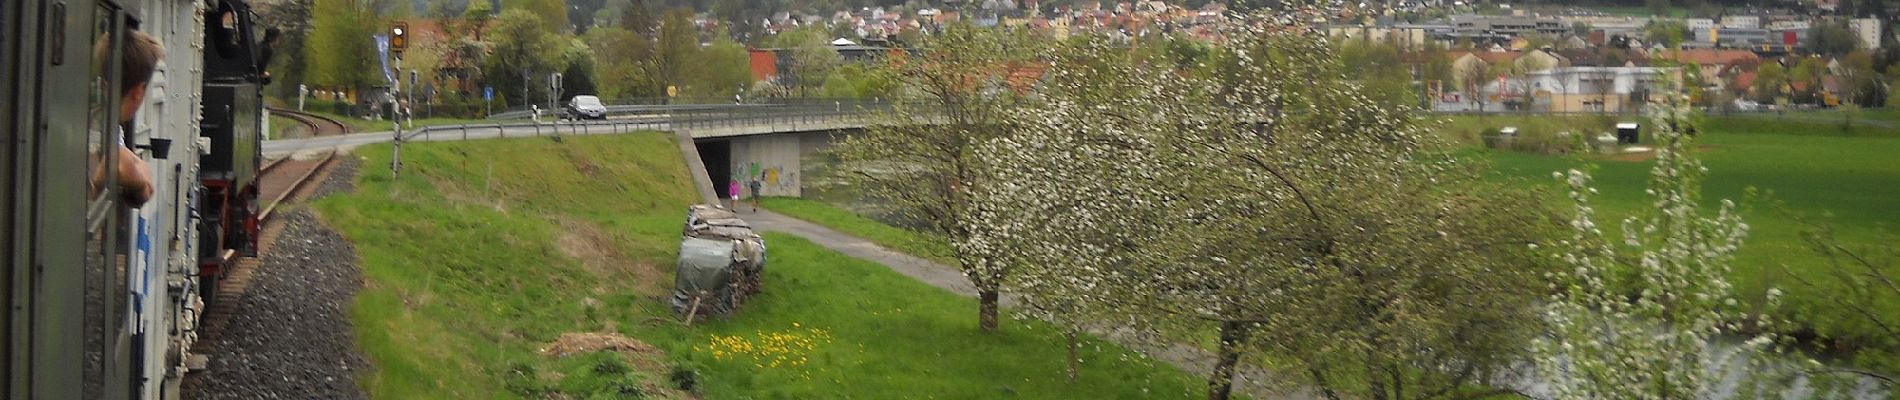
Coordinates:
x,y
103,299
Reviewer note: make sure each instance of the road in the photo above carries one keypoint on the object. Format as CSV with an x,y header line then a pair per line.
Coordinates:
x,y
278,148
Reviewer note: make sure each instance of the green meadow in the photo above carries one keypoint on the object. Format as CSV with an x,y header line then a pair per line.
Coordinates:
x,y
483,253
1813,166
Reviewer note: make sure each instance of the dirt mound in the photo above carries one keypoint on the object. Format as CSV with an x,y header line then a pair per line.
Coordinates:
x,y
588,342
644,357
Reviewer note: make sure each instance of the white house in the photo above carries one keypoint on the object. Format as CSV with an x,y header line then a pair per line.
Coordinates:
x,y
1590,89
1566,89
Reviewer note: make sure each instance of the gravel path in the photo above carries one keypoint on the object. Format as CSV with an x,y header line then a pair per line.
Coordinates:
x,y
291,337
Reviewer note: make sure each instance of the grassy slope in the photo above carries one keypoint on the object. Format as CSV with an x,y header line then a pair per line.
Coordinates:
x,y
894,238
467,276
280,125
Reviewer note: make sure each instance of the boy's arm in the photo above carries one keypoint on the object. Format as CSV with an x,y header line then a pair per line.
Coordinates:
x,y
135,181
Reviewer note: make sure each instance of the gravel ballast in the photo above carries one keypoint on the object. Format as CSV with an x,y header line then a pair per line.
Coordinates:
x,y
291,337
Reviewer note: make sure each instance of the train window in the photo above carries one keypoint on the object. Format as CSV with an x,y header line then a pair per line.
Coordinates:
x,y
224,31
227,19
102,104
104,264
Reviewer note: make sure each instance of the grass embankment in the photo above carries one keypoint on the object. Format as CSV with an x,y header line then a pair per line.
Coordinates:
x,y
483,252
899,239
1846,171
280,126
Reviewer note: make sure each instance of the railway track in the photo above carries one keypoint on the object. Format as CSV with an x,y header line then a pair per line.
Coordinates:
x,y
280,182
317,125
282,178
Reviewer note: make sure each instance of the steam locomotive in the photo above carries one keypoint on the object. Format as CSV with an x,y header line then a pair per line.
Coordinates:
x,y
103,300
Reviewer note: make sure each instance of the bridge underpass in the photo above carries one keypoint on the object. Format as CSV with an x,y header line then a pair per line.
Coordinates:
x,y
782,162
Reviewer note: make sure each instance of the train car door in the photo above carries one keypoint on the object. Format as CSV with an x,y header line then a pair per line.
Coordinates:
x,y
63,238
11,245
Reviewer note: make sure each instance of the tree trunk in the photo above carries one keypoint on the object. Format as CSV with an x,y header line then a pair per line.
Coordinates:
x,y
1398,383
1221,383
1073,361
1319,378
986,309
1376,378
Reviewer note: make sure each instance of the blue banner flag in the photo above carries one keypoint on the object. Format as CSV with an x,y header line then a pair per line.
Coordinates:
x,y
382,52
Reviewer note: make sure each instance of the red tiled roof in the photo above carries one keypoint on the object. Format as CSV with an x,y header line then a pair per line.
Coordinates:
x,y
1022,77
1488,56
1745,81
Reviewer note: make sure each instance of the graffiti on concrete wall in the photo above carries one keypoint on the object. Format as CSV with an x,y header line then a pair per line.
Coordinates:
x,y
785,181
776,180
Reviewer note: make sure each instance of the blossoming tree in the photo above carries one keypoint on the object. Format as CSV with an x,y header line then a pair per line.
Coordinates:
x,y
1650,314
1263,199
920,159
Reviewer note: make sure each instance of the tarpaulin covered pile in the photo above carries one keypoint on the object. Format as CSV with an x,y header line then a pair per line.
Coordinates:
x,y
721,262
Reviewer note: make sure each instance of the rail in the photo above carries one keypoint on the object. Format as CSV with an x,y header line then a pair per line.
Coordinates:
x,y
319,125
303,177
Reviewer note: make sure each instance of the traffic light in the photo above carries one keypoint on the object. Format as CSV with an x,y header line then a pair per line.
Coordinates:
x,y
398,36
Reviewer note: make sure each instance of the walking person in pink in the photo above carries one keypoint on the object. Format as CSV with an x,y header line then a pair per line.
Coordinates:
x,y
732,192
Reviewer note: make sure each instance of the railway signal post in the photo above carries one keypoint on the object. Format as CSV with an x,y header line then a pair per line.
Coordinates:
x,y
397,40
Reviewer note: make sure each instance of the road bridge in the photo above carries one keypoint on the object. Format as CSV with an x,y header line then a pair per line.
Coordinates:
x,y
730,142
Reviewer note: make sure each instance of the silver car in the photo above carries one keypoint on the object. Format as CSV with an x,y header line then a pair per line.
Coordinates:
x,y
586,107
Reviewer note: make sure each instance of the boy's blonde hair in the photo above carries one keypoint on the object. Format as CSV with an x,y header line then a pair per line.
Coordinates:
x,y
138,59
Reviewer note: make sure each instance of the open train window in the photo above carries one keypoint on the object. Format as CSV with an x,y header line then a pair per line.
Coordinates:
x,y
105,263
102,102
224,35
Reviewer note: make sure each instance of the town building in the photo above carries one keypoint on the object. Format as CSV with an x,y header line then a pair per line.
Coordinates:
x,y
1505,27
1868,30
1741,22
1733,38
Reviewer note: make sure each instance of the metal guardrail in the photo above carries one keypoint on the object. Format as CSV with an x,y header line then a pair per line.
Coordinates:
x,y
500,130
626,109
689,118
660,106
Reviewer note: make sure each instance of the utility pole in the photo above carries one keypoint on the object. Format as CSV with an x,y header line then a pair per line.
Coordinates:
x,y
409,106
554,90
395,121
